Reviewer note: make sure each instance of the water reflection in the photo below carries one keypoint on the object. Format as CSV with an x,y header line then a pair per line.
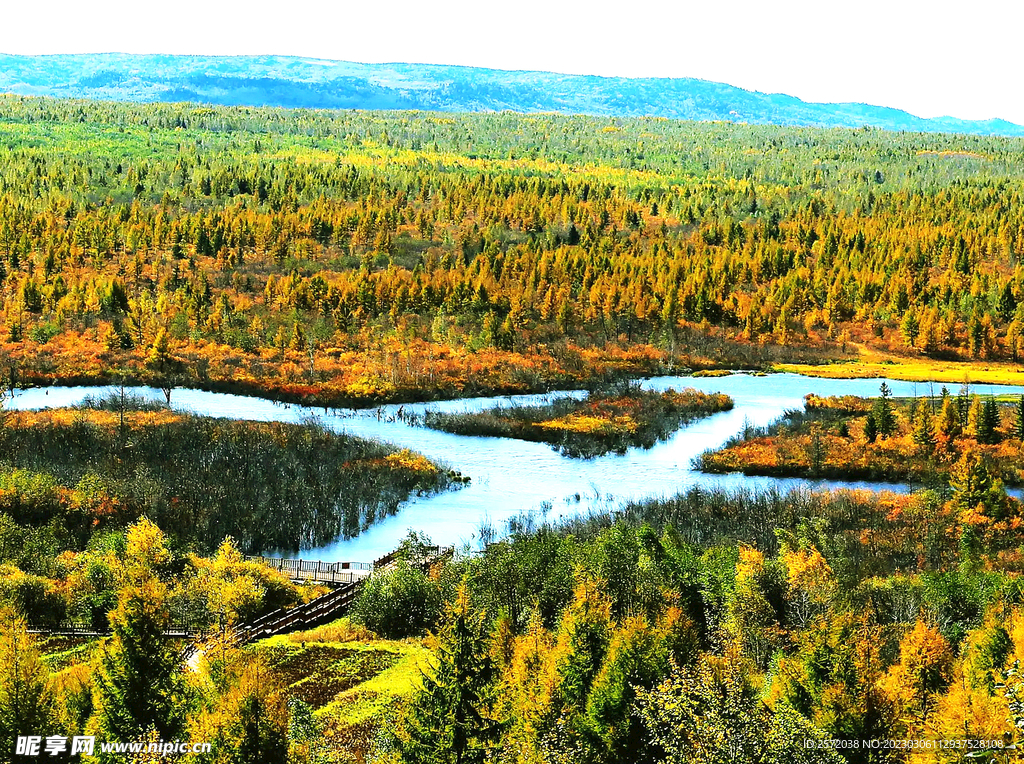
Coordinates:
x,y
510,477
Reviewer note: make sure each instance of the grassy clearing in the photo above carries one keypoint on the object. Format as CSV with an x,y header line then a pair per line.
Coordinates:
x,y
872,365
61,652
355,682
317,672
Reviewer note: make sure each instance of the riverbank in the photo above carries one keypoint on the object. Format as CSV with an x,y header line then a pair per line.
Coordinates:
x,y
919,441
390,372
359,380
69,473
923,370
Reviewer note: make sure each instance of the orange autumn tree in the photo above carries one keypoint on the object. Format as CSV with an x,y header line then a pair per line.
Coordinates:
x,y
924,670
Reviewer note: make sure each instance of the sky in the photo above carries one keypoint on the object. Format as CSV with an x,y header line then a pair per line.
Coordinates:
x,y
932,58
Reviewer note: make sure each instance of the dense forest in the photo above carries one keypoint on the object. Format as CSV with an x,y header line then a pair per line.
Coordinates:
x,y
715,626
342,257
360,257
132,685
706,627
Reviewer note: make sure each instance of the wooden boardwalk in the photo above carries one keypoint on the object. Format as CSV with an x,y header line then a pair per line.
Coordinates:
x,y
317,611
85,629
331,605
428,557
339,573
345,578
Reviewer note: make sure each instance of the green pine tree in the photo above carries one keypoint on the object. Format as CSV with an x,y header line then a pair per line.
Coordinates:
x,y
911,328
1020,418
885,419
963,406
975,488
871,429
138,675
637,659
26,706
924,427
450,720
988,422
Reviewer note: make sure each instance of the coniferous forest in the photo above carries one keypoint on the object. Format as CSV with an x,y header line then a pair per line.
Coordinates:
x,y
355,259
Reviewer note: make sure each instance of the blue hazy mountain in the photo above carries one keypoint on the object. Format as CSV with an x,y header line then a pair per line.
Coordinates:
x,y
314,83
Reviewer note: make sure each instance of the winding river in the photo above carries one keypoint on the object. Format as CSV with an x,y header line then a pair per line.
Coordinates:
x,y
511,476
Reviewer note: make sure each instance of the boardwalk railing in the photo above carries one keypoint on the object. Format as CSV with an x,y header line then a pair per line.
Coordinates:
x,y
313,613
347,575
427,556
177,629
328,606
322,572
317,571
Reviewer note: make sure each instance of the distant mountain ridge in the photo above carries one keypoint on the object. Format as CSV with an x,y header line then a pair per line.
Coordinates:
x,y
314,83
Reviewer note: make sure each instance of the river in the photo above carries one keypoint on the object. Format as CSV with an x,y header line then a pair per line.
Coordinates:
x,y
511,476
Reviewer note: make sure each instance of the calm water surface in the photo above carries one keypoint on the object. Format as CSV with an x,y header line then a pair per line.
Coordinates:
x,y
511,476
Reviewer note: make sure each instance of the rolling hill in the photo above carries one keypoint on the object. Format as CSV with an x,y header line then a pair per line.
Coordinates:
x,y
314,83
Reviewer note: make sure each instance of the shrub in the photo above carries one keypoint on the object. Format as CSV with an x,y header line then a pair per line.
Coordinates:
x,y
398,602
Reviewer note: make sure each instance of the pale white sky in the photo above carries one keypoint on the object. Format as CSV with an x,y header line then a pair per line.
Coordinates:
x,y
931,58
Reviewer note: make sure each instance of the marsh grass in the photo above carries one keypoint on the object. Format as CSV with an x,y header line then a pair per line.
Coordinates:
x,y
605,421
270,485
